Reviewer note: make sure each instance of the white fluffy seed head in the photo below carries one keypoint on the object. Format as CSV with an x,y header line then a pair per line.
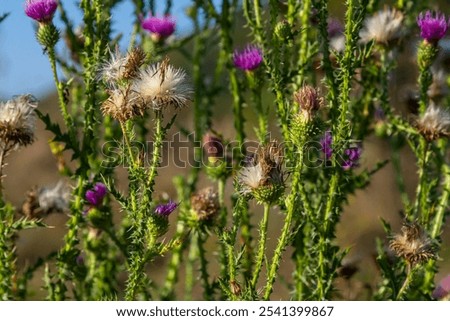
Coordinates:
x,y
161,85
17,121
54,199
113,70
434,123
123,104
250,178
383,27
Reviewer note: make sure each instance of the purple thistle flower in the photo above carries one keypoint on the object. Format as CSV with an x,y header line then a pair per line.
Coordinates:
x,y
432,28
443,289
212,145
41,10
166,209
334,27
161,27
326,142
96,195
248,59
353,156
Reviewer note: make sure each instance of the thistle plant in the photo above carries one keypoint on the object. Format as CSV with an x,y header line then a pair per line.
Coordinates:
x,y
277,104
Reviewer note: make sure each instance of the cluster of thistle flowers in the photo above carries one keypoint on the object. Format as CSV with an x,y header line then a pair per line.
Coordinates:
x,y
385,28
413,244
133,90
434,123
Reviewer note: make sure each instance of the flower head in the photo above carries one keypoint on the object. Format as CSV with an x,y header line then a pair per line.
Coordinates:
x,y
309,101
166,209
442,291
205,204
41,10
383,27
160,27
213,146
413,244
123,104
334,27
353,155
120,67
325,142
248,59
96,195
434,123
17,121
161,85
432,27
263,178
54,199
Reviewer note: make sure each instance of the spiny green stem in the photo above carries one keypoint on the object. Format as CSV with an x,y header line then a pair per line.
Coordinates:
x,y
204,276
421,209
60,90
168,291
261,249
189,271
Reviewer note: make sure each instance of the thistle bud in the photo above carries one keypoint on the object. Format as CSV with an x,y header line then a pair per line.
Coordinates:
x,y
218,165
47,35
309,102
205,204
283,30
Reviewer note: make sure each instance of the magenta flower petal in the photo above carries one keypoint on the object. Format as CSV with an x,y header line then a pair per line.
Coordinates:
x,y
353,155
96,195
325,143
41,10
432,27
443,289
166,209
162,27
248,59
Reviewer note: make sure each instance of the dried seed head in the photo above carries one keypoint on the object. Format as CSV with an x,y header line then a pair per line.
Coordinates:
x,y
413,244
264,178
161,85
309,101
54,199
113,69
121,68
235,288
205,204
17,122
134,60
123,104
434,123
30,207
383,27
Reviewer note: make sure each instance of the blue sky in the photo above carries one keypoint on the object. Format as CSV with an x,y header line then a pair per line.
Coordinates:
x,y
23,66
